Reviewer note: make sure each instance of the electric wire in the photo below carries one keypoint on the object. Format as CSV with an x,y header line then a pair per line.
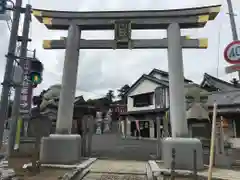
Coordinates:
x,y
219,44
218,51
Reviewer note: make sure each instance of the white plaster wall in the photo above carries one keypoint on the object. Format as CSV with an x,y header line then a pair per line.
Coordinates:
x,y
145,86
235,142
159,76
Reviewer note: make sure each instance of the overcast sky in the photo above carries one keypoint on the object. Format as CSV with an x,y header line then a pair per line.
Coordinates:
x,y
100,70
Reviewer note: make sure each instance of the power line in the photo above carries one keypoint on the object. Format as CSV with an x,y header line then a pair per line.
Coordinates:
x,y
218,51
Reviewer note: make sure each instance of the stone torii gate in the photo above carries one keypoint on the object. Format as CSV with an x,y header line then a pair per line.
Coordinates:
x,y
122,22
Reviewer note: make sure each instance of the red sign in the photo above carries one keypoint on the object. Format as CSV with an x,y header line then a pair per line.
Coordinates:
x,y
232,53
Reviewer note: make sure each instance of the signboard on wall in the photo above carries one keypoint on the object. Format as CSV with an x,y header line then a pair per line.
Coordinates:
x,y
24,109
160,97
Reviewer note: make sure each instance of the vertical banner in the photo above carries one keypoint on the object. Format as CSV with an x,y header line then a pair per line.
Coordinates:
x,y
26,97
160,97
137,125
24,106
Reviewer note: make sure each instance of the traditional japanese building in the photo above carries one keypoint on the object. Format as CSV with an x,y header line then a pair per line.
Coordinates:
x,y
227,97
213,84
141,103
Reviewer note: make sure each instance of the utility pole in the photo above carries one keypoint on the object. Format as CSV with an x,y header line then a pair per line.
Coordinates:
x,y
7,81
233,24
160,103
18,90
232,20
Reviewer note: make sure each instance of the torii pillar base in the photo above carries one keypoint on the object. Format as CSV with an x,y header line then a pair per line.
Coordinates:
x,y
60,149
181,152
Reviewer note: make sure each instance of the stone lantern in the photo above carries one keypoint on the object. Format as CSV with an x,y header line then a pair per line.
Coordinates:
x,y
99,122
197,113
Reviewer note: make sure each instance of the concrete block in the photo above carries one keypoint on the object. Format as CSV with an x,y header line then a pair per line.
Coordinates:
x,y
26,148
184,153
223,161
60,149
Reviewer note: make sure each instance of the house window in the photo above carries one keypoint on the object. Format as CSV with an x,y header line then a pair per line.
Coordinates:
x,y
143,100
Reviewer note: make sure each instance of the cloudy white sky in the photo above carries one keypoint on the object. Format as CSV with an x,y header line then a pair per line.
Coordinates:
x,y
100,70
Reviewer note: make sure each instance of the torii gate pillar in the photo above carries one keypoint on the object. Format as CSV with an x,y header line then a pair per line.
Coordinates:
x,y
68,145
69,81
176,82
187,151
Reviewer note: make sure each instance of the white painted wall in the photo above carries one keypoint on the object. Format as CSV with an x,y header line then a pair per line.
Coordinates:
x,y
235,142
159,76
145,86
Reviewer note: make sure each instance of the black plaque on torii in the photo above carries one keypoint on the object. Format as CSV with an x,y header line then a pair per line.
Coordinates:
x,y
122,30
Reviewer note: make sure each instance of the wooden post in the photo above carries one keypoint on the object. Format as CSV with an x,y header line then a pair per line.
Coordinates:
x,y
83,144
211,157
125,127
158,136
165,125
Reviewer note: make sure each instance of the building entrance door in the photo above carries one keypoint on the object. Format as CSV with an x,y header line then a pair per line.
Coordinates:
x,y
144,129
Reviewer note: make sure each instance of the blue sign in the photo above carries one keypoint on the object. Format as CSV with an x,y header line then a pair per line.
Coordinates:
x,y
3,4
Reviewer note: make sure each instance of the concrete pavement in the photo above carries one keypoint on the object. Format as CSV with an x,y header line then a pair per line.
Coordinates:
x,y
112,146
158,170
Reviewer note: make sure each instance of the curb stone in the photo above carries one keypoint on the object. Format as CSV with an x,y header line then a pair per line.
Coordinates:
x,y
149,172
78,170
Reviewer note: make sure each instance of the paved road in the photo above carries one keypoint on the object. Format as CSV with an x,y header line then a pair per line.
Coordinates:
x,y
112,146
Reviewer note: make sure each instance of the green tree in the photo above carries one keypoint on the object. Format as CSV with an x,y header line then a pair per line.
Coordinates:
x,y
122,91
110,95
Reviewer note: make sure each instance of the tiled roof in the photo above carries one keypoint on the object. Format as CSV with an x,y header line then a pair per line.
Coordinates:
x,y
164,73
217,83
224,98
150,78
